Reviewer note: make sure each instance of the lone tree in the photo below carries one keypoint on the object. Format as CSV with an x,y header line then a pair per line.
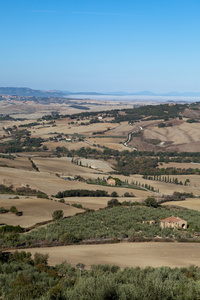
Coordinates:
x,y
58,214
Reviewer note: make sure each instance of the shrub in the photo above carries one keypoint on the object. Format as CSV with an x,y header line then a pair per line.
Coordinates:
x,y
114,194
151,202
61,200
40,258
127,194
160,125
68,238
3,210
58,214
113,202
10,228
77,205
43,195
13,209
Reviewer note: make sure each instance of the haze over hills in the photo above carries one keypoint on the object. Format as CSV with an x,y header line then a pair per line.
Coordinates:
x,y
24,91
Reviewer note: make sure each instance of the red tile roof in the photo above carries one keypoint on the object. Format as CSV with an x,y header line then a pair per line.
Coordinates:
x,y
172,219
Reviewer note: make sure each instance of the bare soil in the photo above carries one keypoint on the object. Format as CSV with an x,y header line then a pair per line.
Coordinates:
x,y
126,254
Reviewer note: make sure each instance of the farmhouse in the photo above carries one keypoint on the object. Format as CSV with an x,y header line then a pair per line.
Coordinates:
x,y
173,222
94,167
111,181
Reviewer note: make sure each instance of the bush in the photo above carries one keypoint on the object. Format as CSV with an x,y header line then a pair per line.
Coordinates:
x,y
77,205
58,214
40,258
151,202
113,202
43,195
13,209
3,210
61,200
10,228
160,125
127,194
114,194
68,238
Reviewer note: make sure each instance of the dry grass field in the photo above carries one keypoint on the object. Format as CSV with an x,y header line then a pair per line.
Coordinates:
x,y
98,202
183,136
168,188
49,183
34,210
62,126
89,202
190,203
96,164
33,110
22,163
180,165
64,166
52,145
112,143
126,254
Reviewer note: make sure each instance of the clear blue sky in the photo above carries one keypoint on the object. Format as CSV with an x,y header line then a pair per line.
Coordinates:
x,y
102,45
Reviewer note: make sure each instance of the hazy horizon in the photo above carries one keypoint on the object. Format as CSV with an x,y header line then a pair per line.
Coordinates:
x,y
101,46
135,98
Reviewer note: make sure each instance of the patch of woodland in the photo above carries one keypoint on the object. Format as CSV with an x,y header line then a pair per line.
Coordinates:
x,y
27,277
24,191
81,193
137,162
21,141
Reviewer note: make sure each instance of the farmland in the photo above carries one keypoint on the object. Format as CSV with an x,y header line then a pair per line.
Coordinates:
x,y
149,151
126,254
83,190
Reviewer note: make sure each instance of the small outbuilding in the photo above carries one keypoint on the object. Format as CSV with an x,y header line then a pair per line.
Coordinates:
x,y
173,222
150,222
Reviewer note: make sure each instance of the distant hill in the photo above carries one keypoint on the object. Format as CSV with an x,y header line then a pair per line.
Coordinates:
x,y
82,93
149,93
142,93
24,92
29,92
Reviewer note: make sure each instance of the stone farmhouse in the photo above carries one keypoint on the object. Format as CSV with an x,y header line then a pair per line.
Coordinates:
x,y
111,181
173,222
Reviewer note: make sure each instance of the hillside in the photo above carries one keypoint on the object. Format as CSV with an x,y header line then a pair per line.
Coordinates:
x,y
81,161
29,92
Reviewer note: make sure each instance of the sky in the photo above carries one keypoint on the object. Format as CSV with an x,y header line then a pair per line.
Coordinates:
x,y
101,45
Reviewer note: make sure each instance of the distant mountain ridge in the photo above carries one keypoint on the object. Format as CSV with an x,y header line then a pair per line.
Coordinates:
x,y
149,93
23,91
143,93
